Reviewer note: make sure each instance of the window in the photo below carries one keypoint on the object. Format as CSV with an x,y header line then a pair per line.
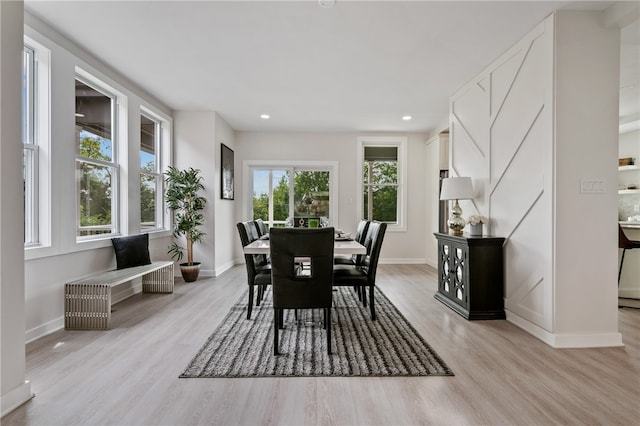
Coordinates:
x,y
30,152
151,178
383,180
35,140
96,167
295,193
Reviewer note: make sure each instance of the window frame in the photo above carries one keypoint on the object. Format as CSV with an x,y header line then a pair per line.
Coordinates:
x,y
99,86
399,142
37,214
160,142
248,166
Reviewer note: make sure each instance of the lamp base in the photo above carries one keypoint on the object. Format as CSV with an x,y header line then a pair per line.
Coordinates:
x,y
456,222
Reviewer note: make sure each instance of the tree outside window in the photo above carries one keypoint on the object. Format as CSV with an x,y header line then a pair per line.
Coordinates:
x,y
380,183
95,165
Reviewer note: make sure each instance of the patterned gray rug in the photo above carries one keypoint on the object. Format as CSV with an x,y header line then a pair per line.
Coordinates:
x,y
389,346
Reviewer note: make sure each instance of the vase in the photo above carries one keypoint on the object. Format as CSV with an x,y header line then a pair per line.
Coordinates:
x,y
190,272
475,229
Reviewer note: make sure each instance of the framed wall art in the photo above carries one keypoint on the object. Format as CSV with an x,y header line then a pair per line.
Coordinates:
x,y
226,173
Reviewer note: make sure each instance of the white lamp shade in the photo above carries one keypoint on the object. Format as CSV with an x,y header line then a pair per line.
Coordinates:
x,y
456,188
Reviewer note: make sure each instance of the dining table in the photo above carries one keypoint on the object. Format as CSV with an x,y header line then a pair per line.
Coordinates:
x,y
341,246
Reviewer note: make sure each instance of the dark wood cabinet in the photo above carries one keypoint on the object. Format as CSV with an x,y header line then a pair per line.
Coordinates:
x,y
471,276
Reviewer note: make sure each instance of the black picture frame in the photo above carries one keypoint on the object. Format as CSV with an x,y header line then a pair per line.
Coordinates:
x,y
227,189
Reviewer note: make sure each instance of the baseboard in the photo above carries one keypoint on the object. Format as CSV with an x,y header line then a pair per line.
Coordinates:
x,y
118,294
126,290
631,293
566,341
16,397
432,262
402,261
224,268
44,329
206,273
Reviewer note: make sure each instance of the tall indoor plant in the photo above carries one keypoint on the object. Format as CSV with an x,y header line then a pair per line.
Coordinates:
x,y
184,200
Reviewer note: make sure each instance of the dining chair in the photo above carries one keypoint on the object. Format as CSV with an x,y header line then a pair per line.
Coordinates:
x,y
301,274
625,244
260,227
364,276
258,269
359,236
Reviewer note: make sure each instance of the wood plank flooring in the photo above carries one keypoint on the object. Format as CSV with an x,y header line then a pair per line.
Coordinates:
x,y
129,375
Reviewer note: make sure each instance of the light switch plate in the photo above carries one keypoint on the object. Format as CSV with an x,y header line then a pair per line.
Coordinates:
x,y
593,186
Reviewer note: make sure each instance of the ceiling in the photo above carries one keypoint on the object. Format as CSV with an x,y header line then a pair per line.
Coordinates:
x,y
356,66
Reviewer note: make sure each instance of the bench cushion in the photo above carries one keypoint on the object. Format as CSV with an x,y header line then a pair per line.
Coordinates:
x,y
131,251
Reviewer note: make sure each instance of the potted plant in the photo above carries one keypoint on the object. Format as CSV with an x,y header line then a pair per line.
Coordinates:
x,y
185,202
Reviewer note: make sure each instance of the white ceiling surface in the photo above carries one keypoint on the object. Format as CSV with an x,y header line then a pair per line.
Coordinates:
x,y
358,66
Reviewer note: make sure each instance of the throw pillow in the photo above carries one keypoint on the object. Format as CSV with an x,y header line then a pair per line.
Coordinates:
x,y
131,251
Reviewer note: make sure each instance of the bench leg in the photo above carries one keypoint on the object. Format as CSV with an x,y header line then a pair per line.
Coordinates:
x,y
87,306
160,281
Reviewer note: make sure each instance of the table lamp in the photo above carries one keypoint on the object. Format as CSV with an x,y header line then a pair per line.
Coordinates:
x,y
456,188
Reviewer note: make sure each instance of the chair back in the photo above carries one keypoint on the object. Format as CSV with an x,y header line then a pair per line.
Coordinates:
x,y
302,267
248,234
359,236
361,231
373,243
260,227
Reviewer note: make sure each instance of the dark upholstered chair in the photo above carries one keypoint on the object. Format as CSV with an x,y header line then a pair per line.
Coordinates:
x,y
625,244
260,227
363,276
302,273
258,269
359,236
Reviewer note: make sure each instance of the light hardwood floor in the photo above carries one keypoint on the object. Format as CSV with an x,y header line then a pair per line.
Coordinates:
x,y
129,375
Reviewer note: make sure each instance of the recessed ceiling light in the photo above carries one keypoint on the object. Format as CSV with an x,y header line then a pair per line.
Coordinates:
x,y
265,116
406,117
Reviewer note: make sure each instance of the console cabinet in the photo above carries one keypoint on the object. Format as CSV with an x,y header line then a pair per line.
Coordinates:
x,y
471,276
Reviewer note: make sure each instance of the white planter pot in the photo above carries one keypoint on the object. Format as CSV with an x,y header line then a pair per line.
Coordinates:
x,y
475,230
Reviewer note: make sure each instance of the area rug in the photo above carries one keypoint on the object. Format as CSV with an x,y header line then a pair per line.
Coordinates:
x,y
389,346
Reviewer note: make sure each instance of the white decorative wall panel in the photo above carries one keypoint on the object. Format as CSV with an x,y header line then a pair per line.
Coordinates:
x,y
501,132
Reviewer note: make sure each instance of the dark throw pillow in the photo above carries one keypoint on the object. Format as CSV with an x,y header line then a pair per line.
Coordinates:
x,y
131,251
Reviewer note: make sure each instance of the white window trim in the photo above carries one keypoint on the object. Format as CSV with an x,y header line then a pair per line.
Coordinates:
x,y
401,143
42,139
163,158
247,182
119,156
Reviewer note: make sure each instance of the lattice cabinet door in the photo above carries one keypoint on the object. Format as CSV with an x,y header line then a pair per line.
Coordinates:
x,y
470,275
452,271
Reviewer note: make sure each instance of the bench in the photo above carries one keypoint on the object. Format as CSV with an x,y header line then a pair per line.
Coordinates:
x,y
87,301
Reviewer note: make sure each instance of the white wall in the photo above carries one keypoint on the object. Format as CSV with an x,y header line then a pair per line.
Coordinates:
x,y
398,247
225,210
517,129
14,389
436,159
47,268
586,232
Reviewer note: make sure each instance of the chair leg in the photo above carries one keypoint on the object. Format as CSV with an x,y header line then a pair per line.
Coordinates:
x,y
276,325
327,325
363,290
621,262
371,303
250,304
